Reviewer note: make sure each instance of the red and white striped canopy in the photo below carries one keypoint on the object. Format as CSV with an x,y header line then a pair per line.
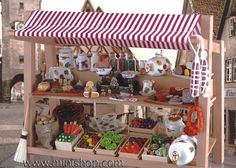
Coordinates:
x,y
167,31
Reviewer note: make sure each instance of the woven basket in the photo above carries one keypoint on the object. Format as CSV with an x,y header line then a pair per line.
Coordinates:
x,y
69,111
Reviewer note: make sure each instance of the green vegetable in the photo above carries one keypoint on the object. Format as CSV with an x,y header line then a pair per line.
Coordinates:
x,y
111,146
109,134
105,141
116,138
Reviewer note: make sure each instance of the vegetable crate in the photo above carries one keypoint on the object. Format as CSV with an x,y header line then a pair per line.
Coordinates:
x,y
68,146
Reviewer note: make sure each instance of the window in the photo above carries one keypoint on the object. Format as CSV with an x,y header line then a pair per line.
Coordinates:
x,y
232,26
21,4
21,59
228,70
234,70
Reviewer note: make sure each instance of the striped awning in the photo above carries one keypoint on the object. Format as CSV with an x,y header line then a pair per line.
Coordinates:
x,y
166,31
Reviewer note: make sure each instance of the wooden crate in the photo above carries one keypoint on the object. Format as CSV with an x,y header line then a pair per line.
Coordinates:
x,y
145,156
144,130
85,150
99,150
68,146
133,155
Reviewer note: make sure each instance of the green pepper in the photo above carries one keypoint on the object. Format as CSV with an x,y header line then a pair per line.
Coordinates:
x,y
116,138
109,134
105,141
111,146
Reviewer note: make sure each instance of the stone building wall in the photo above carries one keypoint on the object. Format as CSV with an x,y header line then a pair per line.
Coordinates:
x,y
12,50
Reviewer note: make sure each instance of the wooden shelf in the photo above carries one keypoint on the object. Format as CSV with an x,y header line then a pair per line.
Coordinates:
x,y
87,156
212,142
142,101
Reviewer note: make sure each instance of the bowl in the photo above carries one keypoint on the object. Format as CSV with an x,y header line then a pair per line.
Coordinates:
x,y
128,74
103,71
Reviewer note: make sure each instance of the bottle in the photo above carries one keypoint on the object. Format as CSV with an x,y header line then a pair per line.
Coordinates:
x,y
94,61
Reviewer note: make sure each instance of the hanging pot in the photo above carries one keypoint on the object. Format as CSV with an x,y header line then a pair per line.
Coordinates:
x,y
157,66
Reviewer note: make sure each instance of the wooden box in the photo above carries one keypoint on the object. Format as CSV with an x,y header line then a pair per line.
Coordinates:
x,y
99,150
133,155
68,146
85,150
145,156
144,130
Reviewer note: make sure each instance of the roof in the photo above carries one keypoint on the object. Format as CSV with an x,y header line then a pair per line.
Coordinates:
x,y
167,31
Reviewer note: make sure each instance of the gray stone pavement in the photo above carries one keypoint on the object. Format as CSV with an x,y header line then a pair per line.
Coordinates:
x,y
11,120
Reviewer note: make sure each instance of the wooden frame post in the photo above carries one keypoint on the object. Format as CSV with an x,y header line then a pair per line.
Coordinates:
x,y
218,113
29,79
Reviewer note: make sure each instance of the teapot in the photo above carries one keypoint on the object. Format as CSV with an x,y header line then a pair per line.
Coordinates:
x,y
94,61
182,150
157,66
82,62
174,126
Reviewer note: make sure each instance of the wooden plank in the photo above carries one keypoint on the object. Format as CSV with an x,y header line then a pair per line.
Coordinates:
x,y
40,40
218,114
86,156
212,142
141,100
29,78
204,102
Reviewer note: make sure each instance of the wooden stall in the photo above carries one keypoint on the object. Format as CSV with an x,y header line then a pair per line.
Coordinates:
x,y
211,105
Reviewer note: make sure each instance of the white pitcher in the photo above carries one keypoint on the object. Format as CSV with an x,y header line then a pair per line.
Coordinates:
x,y
82,62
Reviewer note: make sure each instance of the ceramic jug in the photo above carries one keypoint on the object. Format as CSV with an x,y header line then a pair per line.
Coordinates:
x,y
65,57
182,150
82,62
174,126
157,66
147,86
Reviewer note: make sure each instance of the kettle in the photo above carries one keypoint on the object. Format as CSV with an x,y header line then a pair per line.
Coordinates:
x,y
174,126
157,65
82,62
182,150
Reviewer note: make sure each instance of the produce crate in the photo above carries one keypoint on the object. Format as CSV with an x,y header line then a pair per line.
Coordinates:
x,y
68,146
144,130
100,150
145,156
86,150
133,155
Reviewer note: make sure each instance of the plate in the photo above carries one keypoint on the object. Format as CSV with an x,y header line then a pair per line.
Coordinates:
x,y
147,94
128,74
57,73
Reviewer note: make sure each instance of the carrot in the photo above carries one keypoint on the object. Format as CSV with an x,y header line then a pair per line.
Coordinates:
x,y
76,130
69,128
65,127
73,127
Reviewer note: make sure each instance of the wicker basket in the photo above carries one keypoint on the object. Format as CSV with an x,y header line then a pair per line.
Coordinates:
x,y
69,111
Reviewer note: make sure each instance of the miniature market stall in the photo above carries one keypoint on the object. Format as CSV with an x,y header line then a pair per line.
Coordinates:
x,y
124,30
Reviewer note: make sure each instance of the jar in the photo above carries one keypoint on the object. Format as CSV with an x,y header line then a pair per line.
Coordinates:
x,y
174,126
182,150
65,57
82,62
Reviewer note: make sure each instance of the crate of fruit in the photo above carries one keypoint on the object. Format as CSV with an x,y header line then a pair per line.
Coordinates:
x,y
145,126
133,147
66,140
157,149
88,142
110,143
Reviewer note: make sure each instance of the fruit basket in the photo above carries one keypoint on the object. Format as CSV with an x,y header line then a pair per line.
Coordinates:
x,y
157,149
67,140
145,126
88,142
110,143
133,147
